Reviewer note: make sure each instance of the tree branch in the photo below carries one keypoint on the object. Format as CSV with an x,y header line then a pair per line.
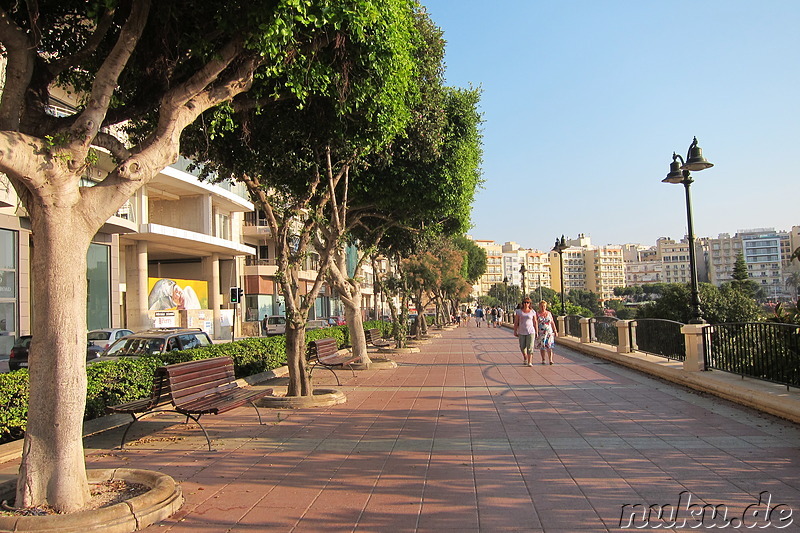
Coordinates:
x,y
101,30
88,124
118,150
19,71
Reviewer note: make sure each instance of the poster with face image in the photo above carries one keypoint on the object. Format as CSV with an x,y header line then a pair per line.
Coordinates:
x,y
173,293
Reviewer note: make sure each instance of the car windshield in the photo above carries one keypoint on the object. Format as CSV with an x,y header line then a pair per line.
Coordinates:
x,y
23,342
137,346
99,335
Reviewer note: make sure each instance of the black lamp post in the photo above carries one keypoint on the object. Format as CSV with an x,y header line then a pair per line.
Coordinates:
x,y
679,173
559,248
505,294
522,271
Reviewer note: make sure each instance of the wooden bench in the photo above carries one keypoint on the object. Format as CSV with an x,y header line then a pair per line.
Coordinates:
x,y
194,389
325,353
375,338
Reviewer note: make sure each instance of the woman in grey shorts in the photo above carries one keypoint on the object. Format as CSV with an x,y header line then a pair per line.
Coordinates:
x,y
525,326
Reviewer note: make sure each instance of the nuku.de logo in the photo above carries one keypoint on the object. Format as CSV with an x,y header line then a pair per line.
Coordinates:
x,y
686,514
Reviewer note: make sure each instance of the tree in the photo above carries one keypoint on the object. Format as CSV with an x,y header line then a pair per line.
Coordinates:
x,y
741,279
475,261
586,299
143,73
720,305
299,162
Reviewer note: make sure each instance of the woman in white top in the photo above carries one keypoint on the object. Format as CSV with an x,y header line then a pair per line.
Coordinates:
x,y
525,326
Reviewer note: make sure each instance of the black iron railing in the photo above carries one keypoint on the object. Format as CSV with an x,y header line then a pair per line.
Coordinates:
x,y
603,329
573,325
658,337
762,350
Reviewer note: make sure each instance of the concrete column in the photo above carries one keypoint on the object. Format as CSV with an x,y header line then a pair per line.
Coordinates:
x,y
632,327
562,324
695,352
585,337
623,334
136,286
214,297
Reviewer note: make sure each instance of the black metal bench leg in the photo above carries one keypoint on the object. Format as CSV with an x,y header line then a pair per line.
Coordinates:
x,y
197,419
125,433
339,383
253,403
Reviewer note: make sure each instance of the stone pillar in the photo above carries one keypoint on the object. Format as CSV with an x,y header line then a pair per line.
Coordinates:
x,y
623,334
632,336
136,287
214,296
695,352
562,325
585,336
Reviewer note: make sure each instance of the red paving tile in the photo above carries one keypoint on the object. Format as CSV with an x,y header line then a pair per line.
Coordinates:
x,y
462,437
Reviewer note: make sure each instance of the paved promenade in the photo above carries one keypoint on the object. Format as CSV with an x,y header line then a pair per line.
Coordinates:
x,y
463,437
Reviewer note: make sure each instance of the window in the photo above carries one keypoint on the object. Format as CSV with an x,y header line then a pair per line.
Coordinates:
x,y
8,290
98,278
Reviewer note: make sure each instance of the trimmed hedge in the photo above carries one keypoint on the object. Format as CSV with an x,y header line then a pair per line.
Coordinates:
x,y
123,380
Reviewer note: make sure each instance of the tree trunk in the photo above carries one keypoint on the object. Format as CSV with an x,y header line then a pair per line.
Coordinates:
x,y
355,323
299,381
53,470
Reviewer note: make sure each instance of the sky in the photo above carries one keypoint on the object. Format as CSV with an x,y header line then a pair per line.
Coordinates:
x,y
584,102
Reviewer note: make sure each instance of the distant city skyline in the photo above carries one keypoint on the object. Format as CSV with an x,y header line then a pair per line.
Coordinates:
x,y
653,243
584,103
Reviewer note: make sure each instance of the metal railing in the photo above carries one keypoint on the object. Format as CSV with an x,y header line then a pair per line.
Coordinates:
x,y
254,261
762,350
573,325
603,329
658,337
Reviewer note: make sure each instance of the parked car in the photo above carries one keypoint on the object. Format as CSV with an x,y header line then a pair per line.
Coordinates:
x,y
337,321
316,324
157,341
274,325
106,337
18,358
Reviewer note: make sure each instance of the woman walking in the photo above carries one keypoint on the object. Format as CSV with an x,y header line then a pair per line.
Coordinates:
x,y
546,338
525,327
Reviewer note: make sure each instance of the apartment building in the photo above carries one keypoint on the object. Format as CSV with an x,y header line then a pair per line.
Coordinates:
x,y
605,270
766,252
595,268
642,264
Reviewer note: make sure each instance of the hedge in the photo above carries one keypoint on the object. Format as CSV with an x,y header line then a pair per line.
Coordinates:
x,y
114,382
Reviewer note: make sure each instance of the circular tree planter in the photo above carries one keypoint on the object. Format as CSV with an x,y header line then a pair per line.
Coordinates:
x,y
162,500
407,349
378,363
320,398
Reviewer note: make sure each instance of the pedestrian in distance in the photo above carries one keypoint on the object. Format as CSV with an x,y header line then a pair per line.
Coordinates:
x,y
478,316
525,327
546,338
469,315
493,317
499,321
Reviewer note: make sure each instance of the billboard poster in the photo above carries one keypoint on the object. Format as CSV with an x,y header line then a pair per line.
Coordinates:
x,y
174,293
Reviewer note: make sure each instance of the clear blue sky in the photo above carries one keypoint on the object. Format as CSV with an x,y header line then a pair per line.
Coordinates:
x,y
584,102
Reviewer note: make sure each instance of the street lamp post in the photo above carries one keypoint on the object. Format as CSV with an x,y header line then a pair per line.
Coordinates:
x,y
539,281
559,248
522,271
679,173
505,295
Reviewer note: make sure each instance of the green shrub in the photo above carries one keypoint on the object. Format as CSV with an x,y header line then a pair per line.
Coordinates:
x,y
14,399
115,382
124,380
